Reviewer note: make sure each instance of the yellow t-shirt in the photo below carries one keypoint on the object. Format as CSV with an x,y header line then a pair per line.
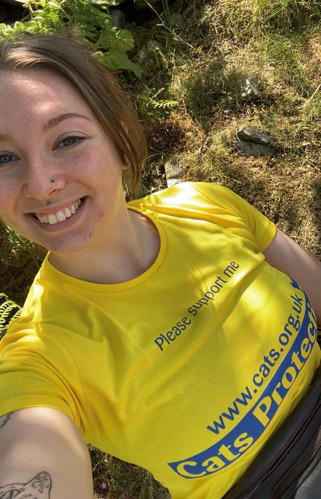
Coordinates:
x,y
187,369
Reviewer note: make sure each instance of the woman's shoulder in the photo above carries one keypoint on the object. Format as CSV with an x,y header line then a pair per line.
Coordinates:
x,y
188,193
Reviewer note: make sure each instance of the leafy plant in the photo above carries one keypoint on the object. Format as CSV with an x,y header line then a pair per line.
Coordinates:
x,y
150,104
8,310
16,250
84,19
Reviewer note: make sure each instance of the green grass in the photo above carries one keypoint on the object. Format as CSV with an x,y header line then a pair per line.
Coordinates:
x,y
216,46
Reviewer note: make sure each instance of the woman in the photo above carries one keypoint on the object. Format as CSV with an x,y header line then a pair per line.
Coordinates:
x,y
166,331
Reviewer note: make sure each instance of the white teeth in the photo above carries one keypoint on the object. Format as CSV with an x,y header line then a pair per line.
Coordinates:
x,y
52,219
61,215
44,220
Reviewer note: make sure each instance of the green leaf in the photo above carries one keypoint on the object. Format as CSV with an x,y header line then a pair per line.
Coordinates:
x,y
56,16
119,60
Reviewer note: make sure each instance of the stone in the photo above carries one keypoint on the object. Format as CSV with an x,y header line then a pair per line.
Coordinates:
x,y
149,52
257,136
255,142
173,172
18,3
249,89
251,149
118,18
11,11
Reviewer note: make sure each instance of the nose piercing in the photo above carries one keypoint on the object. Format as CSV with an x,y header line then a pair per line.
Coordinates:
x,y
49,202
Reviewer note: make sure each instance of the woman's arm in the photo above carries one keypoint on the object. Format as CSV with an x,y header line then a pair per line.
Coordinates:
x,y
43,454
287,256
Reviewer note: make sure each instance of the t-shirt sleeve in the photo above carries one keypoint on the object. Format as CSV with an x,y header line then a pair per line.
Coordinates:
x,y
35,372
213,203
260,226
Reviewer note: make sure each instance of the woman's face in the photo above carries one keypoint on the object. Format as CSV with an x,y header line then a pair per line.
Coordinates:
x,y
60,174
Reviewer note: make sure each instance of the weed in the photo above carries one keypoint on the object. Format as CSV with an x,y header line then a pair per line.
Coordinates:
x,y
17,250
152,106
288,15
84,19
9,310
114,478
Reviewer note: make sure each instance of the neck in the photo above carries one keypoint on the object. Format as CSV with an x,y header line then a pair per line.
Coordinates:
x,y
120,257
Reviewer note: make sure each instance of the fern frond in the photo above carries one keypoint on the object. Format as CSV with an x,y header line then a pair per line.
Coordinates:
x,y
9,310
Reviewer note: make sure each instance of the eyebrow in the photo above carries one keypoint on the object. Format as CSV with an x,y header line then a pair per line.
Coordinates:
x,y
54,122
57,119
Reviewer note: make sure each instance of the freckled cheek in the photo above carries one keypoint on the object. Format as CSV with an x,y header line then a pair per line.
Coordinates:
x,y
80,167
5,206
89,168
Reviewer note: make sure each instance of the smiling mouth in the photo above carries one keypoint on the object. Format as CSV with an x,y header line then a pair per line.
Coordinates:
x,y
61,215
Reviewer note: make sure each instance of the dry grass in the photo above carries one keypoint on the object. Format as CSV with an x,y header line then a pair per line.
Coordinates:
x,y
209,55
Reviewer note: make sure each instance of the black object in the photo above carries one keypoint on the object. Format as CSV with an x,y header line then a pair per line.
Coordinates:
x,y
289,466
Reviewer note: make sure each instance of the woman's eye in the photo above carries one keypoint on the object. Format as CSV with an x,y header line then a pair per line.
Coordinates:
x,y
6,158
70,141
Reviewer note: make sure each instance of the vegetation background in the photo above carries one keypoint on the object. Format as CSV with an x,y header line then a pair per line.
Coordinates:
x,y
191,60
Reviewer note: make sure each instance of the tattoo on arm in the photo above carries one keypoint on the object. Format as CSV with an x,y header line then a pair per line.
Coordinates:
x,y
4,419
38,488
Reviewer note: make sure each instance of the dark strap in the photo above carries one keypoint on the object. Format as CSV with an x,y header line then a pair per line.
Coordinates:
x,y
290,462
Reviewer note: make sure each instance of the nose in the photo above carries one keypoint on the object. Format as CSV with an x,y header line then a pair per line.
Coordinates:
x,y
42,181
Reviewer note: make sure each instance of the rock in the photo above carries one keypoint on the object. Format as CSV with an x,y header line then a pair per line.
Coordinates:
x,y
176,18
118,18
255,143
149,52
204,145
251,135
177,8
11,11
251,149
173,172
249,89
18,3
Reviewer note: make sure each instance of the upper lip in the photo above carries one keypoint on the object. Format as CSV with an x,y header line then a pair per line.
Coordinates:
x,y
53,210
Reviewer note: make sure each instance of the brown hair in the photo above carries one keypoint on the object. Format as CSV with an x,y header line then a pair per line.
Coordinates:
x,y
74,60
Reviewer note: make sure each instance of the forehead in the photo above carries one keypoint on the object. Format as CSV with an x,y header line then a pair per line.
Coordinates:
x,y
37,91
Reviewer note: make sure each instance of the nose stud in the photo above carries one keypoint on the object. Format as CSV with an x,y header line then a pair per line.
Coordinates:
x,y
52,180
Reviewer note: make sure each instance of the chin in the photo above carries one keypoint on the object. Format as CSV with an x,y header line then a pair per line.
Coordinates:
x,y
65,246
